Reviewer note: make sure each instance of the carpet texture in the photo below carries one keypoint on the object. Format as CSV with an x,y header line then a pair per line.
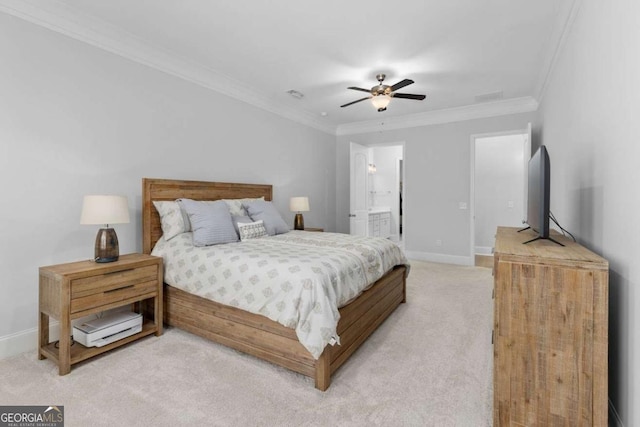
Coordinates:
x,y
429,364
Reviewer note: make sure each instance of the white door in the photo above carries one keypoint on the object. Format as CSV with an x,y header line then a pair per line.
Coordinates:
x,y
359,209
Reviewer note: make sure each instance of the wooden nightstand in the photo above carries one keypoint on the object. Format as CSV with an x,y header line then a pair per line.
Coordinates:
x,y
314,229
78,289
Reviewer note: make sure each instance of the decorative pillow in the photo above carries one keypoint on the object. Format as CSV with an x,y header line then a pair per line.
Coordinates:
x,y
240,219
173,220
210,221
252,230
235,205
273,222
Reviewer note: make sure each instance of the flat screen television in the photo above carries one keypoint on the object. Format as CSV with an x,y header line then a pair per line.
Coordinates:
x,y
539,195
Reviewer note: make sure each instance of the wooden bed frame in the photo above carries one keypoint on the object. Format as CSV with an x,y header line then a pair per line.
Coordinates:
x,y
252,333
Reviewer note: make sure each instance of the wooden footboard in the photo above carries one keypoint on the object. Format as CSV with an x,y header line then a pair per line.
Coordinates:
x,y
362,317
252,333
268,340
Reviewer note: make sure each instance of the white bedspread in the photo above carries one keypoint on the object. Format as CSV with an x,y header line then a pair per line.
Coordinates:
x,y
298,279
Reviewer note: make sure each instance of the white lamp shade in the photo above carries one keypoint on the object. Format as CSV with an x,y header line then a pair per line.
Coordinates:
x,y
381,101
299,204
105,210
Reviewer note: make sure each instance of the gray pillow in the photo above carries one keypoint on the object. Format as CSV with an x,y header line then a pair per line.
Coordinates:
x,y
242,219
261,209
210,221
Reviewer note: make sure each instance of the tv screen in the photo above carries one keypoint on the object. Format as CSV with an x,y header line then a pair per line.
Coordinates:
x,y
538,197
538,193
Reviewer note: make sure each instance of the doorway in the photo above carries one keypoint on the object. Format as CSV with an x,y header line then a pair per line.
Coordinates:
x,y
498,187
377,190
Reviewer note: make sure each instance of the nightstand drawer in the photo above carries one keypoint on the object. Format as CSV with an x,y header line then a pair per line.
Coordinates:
x,y
112,282
125,291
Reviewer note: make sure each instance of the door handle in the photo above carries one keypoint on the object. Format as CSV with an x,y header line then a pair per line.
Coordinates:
x,y
352,215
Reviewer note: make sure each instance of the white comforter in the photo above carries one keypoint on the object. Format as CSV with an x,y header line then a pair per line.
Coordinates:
x,y
298,279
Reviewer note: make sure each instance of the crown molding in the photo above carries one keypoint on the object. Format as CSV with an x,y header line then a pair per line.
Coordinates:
x,y
470,112
60,18
552,54
63,19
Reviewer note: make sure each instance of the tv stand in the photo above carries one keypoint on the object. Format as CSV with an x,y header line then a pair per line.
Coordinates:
x,y
550,337
540,238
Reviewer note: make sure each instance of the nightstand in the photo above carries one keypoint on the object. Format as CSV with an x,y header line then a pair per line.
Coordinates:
x,y
78,289
314,229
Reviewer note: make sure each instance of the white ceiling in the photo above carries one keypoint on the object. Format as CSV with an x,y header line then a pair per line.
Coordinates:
x,y
257,50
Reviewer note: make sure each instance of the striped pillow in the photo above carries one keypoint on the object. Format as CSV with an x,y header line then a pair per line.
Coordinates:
x,y
210,221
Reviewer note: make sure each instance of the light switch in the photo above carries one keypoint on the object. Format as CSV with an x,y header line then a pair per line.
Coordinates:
x,y
462,205
510,204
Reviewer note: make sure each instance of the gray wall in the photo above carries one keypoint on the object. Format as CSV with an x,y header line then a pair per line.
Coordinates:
x,y
590,124
499,182
437,179
76,120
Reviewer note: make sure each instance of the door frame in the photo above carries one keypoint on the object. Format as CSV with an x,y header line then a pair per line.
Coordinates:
x,y
399,178
472,190
404,178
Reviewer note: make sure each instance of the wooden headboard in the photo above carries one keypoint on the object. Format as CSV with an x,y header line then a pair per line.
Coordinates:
x,y
168,189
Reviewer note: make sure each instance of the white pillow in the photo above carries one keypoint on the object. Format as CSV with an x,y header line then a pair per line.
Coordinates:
x,y
251,230
173,220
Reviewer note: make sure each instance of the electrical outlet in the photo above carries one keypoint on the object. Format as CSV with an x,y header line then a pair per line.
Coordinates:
x,y
438,242
462,205
510,204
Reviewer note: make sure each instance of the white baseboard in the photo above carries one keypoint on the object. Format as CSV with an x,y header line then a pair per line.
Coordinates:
x,y
484,250
24,341
442,258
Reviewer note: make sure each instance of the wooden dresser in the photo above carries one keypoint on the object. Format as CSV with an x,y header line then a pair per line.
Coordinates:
x,y
550,332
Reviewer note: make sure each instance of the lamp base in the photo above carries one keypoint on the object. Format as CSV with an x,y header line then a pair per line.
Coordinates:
x,y
106,249
298,222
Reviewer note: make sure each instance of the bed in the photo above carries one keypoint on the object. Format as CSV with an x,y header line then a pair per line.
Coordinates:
x,y
255,334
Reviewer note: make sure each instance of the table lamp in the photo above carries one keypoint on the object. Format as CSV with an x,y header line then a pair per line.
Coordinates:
x,y
105,210
299,204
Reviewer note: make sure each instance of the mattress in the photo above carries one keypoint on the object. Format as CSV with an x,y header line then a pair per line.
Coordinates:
x,y
298,279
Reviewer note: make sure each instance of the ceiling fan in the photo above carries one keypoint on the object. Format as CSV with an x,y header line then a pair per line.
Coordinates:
x,y
382,94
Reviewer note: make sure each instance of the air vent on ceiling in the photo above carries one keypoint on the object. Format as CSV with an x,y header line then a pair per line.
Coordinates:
x,y
294,93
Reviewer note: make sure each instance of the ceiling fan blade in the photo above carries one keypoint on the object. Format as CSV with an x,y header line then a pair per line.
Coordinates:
x,y
400,85
360,89
359,100
409,96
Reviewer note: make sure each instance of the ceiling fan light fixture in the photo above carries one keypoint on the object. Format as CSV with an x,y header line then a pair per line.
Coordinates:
x,y
381,94
381,102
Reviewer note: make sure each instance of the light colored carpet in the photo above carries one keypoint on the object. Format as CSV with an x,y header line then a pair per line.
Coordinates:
x,y
429,364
